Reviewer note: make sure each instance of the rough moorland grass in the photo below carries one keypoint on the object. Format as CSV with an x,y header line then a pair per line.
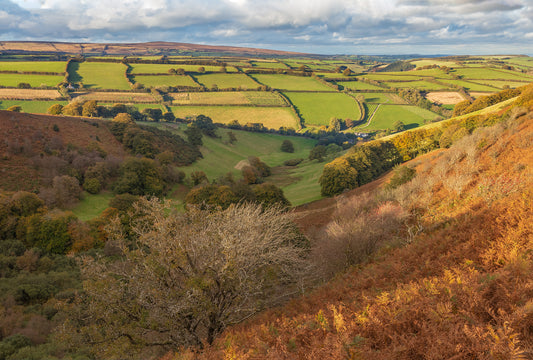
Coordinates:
x,y
164,80
319,108
33,80
23,66
30,106
486,73
289,82
270,117
224,81
92,206
411,116
99,75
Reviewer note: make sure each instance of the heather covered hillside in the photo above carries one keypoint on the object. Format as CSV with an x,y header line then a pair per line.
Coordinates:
x,y
438,262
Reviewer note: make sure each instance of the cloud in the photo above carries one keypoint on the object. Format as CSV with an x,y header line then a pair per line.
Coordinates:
x,y
334,26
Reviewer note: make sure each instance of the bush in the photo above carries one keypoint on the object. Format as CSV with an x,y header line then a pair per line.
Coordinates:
x,y
92,186
287,146
293,162
15,108
401,175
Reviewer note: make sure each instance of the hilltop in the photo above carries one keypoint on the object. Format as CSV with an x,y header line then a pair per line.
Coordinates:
x,y
148,48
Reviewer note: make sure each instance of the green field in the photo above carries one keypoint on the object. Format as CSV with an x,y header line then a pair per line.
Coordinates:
x,y
34,80
163,68
226,81
425,62
300,184
99,75
31,106
319,108
386,115
228,98
485,73
501,83
334,75
289,82
420,84
164,80
269,65
436,73
92,206
378,98
358,85
270,117
24,66
471,86
384,76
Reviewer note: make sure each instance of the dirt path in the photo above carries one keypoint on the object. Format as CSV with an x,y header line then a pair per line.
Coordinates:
x,y
371,117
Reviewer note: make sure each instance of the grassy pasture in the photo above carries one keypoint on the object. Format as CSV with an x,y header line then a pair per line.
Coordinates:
x,y
269,65
486,73
271,117
31,106
501,83
411,116
34,80
426,62
228,98
92,206
289,82
384,76
28,94
24,66
265,98
319,108
523,61
437,73
164,80
99,75
471,86
378,98
163,68
115,97
224,81
419,84
358,85
329,75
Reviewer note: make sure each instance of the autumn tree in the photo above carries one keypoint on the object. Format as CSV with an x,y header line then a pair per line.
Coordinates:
x,y
337,177
185,278
124,118
317,153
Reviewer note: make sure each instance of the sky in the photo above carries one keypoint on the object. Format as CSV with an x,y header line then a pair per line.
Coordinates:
x,y
425,27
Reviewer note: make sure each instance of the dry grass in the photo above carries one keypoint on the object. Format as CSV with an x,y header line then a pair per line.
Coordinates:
x,y
444,97
28,94
115,97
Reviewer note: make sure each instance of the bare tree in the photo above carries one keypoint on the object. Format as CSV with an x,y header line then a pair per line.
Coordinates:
x,y
183,278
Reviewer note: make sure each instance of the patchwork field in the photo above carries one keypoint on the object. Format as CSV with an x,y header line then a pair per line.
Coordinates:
x,y
288,82
426,62
228,98
319,108
26,66
28,94
270,117
12,80
99,75
386,115
226,81
419,84
164,80
114,97
380,98
471,85
164,68
357,85
30,106
269,65
501,83
444,97
486,73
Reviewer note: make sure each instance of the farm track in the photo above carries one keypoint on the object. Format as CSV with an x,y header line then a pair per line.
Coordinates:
x,y
371,117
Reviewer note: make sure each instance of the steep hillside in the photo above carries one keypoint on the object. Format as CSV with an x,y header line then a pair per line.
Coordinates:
x,y
453,278
25,136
